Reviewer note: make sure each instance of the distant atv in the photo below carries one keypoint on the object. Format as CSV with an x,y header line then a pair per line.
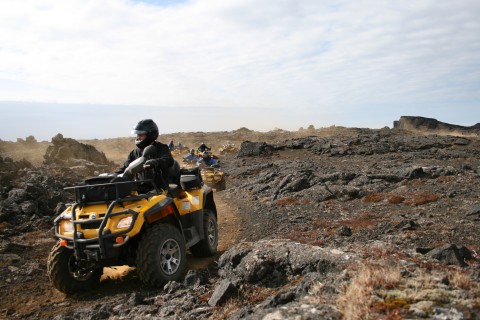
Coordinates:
x,y
190,163
111,224
228,148
179,151
213,177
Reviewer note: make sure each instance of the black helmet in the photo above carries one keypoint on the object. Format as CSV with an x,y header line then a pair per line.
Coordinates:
x,y
147,127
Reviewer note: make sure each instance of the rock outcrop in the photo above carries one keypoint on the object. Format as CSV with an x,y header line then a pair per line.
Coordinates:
x,y
67,152
432,125
30,197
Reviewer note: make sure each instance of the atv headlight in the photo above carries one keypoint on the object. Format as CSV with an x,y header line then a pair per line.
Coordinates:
x,y
66,215
124,222
66,226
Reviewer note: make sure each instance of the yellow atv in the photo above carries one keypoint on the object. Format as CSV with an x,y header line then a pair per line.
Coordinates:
x,y
213,177
228,148
110,224
179,151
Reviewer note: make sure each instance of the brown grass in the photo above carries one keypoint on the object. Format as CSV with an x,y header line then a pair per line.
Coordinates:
x,y
362,220
315,294
395,199
290,201
246,297
377,291
312,237
382,252
374,197
418,199
446,179
460,279
357,299
411,199
227,309
255,295
391,307
326,227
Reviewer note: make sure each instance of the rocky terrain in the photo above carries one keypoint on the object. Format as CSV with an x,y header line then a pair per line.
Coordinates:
x,y
340,223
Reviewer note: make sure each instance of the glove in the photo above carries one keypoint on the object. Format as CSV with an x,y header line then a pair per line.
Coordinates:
x,y
152,163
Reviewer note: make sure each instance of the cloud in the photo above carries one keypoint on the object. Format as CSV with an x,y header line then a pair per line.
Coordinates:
x,y
332,56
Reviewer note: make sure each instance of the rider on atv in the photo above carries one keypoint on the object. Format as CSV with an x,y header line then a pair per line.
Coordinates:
x,y
207,160
191,157
158,164
203,147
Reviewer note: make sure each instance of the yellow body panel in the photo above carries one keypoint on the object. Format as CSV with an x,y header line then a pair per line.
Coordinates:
x,y
192,201
187,203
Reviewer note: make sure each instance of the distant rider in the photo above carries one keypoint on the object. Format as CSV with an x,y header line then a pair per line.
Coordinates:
x,y
158,164
203,147
207,159
191,157
171,145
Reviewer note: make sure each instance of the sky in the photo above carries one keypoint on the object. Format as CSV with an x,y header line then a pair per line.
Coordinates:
x,y
94,68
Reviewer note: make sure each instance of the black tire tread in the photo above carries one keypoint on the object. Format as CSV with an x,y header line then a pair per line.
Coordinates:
x,y
221,185
203,248
57,269
147,266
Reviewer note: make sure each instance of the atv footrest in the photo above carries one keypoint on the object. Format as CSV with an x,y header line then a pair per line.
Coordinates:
x,y
192,236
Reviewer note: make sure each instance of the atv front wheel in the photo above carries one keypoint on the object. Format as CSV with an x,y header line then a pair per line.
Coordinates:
x,y
65,274
208,245
161,255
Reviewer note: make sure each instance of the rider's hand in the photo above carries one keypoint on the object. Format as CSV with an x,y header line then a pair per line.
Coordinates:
x,y
151,163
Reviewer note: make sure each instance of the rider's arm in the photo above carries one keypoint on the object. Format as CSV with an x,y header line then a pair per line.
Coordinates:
x,y
131,157
163,159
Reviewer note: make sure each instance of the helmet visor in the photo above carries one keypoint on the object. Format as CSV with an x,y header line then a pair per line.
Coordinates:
x,y
138,132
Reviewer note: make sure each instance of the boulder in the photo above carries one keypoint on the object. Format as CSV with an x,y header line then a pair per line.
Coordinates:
x,y
67,151
249,149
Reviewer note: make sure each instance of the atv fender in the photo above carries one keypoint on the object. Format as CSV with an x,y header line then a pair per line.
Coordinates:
x,y
208,202
158,207
164,209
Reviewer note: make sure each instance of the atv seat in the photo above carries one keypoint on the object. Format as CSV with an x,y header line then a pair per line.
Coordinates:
x,y
174,173
174,190
190,179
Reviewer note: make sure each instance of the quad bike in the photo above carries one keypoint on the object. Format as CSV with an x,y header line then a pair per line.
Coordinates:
x,y
110,223
213,177
192,163
179,151
228,148
200,154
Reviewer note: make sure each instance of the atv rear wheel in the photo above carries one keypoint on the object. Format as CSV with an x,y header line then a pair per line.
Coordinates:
x,y
208,245
66,276
161,255
220,185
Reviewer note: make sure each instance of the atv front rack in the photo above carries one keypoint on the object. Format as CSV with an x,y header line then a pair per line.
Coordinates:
x,y
107,192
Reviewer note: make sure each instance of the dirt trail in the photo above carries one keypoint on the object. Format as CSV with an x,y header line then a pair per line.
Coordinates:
x,y
36,298
229,223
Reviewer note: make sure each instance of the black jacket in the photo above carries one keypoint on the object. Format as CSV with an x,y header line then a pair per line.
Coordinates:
x,y
158,172
203,147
